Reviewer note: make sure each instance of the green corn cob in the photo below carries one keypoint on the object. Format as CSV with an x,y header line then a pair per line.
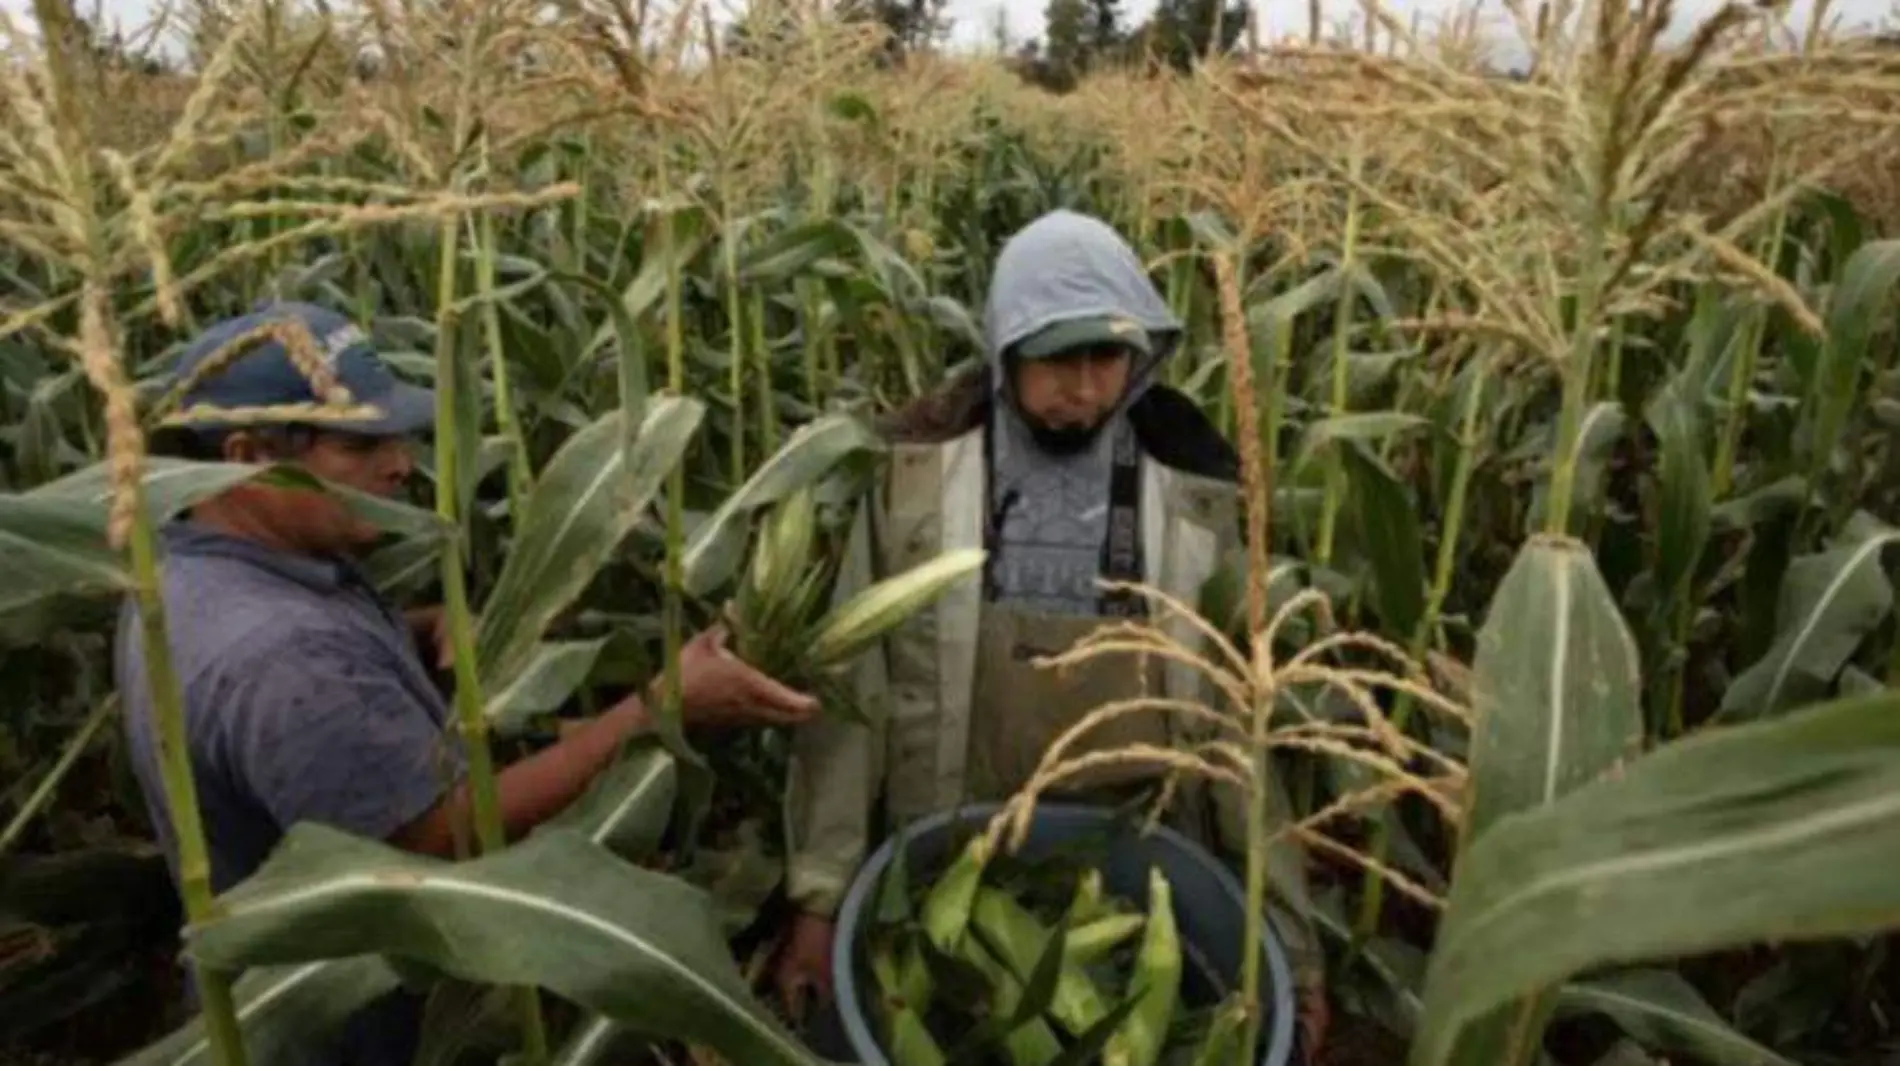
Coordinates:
x,y
946,911
1019,940
1091,942
1031,1044
1156,982
1221,1045
911,1042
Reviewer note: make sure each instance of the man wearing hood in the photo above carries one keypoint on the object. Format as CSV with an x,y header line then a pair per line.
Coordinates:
x,y
1069,462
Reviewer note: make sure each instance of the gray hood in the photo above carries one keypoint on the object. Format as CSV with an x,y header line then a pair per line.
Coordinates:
x,y
1067,265
1050,513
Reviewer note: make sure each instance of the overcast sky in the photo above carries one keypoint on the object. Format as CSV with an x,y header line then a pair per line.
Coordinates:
x,y
973,18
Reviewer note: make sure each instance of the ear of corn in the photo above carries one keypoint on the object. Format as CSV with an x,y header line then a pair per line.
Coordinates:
x,y
1091,901
911,1042
913,974
1156,983
999,933
877,610
1092,942
947,909
884,969
783,553
1221,1045
1019,940
1031,1043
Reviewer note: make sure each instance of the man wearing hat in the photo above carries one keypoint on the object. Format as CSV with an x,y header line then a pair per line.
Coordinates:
x,y
1069,462
306,698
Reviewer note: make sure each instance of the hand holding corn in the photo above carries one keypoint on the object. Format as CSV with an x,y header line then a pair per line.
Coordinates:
x,y
720,690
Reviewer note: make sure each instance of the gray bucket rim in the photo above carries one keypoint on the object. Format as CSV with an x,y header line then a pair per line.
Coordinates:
x,y
846,1001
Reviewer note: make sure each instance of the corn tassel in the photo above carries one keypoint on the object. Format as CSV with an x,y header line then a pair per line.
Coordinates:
x,y
1156,982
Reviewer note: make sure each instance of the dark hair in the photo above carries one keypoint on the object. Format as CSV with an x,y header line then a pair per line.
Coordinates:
x,y
207,445
953,409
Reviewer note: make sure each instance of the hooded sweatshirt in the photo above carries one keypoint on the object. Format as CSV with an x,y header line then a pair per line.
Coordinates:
x,y
1050,514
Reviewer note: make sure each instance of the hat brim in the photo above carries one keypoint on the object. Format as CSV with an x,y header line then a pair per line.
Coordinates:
x,y
407,409
1062,338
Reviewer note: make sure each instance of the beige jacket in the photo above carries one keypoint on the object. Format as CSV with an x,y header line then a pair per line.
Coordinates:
x,y
929,500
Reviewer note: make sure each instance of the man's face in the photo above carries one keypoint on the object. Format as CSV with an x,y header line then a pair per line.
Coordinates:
x,y
1066,397
315,522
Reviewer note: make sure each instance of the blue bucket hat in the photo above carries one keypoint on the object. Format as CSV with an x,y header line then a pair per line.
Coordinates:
x,y
264,375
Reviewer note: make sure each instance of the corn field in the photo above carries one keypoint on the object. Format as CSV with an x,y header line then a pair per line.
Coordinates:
x,y
1574,394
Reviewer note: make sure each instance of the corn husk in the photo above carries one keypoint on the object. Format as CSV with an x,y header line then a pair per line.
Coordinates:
x,y
867,616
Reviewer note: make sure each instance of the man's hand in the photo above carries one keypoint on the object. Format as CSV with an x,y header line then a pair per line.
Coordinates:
x,y
431,627
719,690
804,964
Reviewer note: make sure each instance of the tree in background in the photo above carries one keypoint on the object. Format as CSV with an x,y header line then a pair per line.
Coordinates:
x,y
1180,31
1078,36
1084,35
914,25
999,29
1105,35
1067,43
911,26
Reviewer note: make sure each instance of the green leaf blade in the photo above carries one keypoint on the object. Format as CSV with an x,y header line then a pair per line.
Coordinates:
x,y
556,911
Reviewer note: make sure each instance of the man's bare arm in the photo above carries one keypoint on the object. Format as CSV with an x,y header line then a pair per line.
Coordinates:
x,y
536,788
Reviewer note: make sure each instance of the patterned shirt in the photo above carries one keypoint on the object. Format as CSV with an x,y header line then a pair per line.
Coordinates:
x,y
305,699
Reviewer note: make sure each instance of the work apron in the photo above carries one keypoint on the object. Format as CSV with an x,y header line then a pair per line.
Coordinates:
x,y
1019,709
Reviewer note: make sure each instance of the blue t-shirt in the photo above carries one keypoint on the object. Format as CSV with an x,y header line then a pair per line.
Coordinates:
x,y
305,700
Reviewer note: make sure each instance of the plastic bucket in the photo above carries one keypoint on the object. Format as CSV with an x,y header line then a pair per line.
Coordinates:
x,y
1209,904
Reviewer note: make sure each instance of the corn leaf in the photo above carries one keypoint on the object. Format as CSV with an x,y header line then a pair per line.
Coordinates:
x,y
1597,437
1684,502
1779,830
626,809
596,1039
1388,532
53,548
173,486
782,256
556,911
1664,1012
718,545
40,448
404,567
1657,1007
52,552
690,233
1366,427
585,502
284,1011
1829,602
1858,304
1557,702
1554,684
553,671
